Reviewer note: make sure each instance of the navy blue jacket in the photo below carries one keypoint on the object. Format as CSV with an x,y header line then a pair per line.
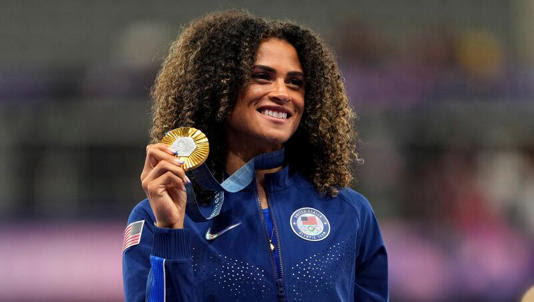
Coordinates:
x,y
229,259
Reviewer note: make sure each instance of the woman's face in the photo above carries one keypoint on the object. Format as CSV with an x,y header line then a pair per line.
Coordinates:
x,y
269,108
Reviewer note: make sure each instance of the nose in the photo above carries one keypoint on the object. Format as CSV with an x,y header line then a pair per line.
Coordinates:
x,y
280,93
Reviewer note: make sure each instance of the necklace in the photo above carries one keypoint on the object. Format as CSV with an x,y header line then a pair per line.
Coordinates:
x,y
271,244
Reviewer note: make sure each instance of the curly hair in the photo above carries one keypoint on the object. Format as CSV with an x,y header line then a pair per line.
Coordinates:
x,y
212,59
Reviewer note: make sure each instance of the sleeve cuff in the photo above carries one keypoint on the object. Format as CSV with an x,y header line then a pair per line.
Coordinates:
x,y
172,243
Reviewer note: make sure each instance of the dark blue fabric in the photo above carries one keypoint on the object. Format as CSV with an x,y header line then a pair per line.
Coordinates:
x,y
272,236
350,264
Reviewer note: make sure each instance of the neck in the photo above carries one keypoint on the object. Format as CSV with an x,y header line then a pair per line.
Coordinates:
x,y
235,160
260,178
260,174
239,153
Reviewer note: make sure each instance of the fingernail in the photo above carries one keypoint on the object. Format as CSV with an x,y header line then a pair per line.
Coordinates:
x,y
187,180
172,151
179,161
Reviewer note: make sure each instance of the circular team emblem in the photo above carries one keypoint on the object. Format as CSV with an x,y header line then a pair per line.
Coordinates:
x,y
310,224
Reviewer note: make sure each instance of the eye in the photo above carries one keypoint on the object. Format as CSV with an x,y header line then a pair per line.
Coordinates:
x,y
295,83
261,76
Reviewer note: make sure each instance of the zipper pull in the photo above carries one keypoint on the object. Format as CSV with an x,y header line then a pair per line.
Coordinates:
x,y
271,245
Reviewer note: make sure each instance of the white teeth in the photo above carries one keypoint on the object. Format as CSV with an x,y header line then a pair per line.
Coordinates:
x,y
275,114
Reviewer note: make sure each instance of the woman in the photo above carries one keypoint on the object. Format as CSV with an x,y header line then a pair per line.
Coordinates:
x,y
295,233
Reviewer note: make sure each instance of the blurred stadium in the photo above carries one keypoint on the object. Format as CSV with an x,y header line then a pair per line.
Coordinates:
x,y
444,93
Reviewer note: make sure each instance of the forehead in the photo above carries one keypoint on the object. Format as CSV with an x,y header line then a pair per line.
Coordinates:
x,y
278,53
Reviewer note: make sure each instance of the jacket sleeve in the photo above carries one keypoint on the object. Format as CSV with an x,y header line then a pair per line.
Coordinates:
x,y
160,265
171,277
371,261
136,257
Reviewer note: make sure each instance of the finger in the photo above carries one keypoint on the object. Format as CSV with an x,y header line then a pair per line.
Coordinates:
x,y
167,181
167,185
163,167
155,153
167,197
174,187
164,147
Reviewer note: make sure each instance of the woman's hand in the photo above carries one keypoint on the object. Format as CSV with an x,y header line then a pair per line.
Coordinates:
x,y
163,180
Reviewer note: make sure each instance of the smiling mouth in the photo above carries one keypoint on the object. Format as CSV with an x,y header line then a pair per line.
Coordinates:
x,y
275,114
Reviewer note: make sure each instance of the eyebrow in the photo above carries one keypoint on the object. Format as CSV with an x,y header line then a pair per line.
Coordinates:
x,y
270,69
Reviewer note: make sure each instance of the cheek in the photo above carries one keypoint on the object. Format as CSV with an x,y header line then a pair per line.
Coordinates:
x,y
298,121
300,105
251,94
299,99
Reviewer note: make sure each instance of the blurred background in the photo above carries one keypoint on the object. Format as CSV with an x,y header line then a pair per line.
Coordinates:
x,y
444,91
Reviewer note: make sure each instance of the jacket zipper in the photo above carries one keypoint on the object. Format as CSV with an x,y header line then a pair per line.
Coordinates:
x,y
279,282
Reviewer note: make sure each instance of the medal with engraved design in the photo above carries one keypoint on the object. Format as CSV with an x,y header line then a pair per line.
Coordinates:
x,y
189,144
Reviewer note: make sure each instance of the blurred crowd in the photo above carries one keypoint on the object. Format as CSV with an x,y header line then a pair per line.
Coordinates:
x,y
462,229
430,65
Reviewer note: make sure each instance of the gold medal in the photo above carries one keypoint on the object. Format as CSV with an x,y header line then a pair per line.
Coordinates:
x,y
189,144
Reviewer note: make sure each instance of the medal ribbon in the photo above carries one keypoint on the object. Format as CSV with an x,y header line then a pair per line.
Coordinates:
x,y
236,182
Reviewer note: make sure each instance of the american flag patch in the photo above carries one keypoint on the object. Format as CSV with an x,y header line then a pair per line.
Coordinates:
x,y
308,220
132,234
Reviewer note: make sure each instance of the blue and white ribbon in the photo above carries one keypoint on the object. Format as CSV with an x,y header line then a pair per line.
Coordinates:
x,y
236,182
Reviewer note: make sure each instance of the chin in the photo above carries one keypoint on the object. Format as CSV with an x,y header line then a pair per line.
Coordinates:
x,y
278,136
275,141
